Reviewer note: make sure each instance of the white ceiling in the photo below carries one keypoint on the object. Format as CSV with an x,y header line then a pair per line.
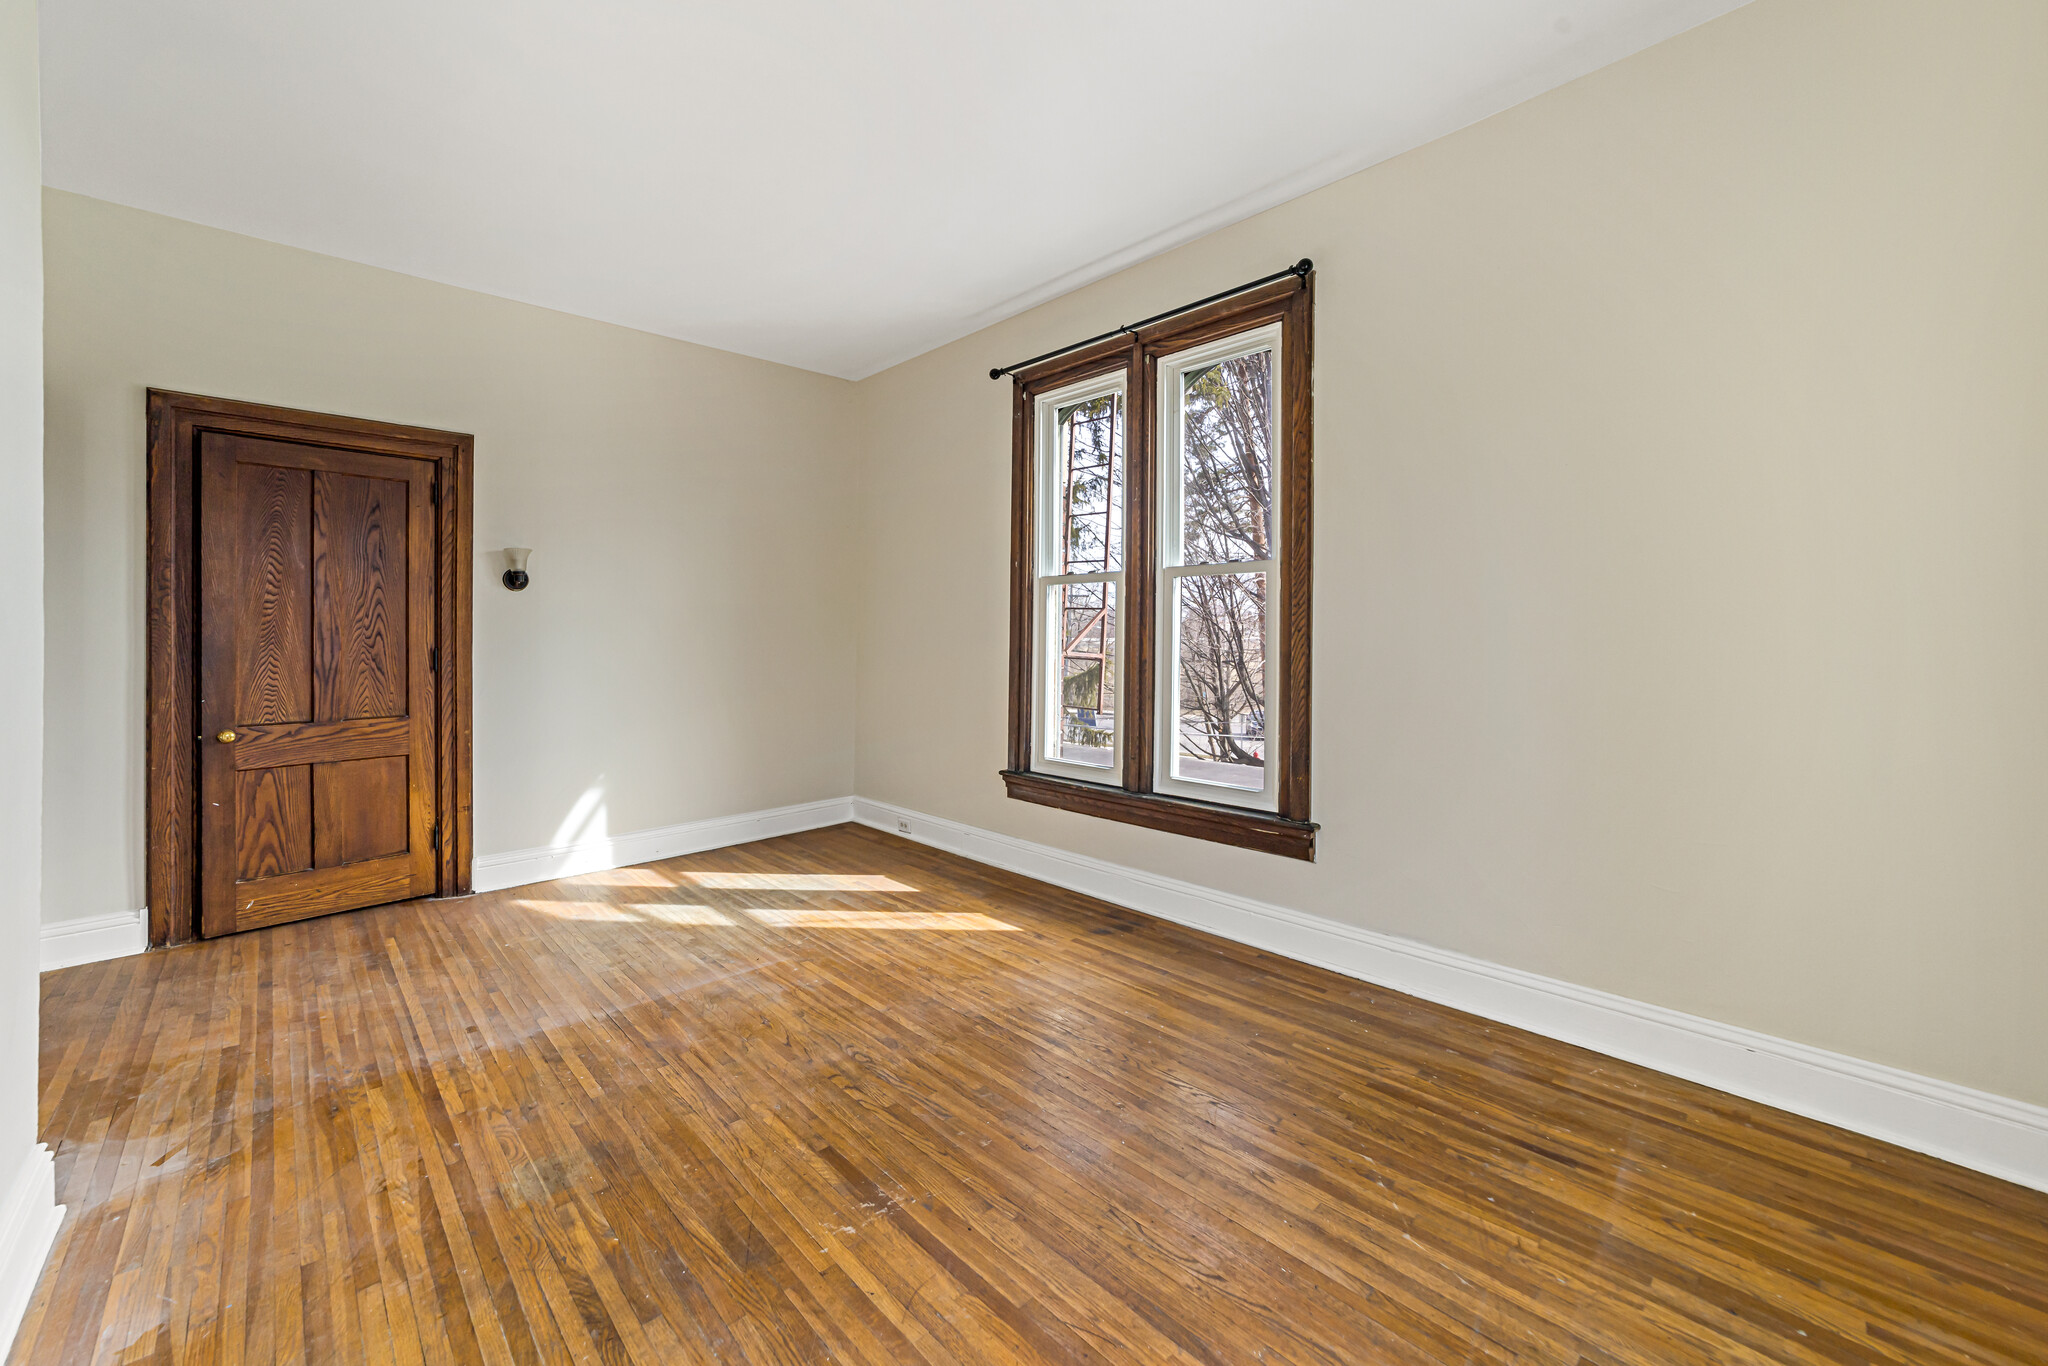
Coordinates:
x,y
835,185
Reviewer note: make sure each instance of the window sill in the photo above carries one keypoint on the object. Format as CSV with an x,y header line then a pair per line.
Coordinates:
x,y
1260,830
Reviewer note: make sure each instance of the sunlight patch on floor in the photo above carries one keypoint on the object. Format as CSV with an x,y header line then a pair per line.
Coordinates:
x,y
769,917
625,877
580,910
681,915
632,912
799,882
876,920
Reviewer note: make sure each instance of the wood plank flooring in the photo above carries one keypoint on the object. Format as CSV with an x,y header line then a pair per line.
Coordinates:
x,y
837,1097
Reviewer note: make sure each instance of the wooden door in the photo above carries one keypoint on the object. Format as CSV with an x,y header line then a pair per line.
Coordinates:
x,y
316,680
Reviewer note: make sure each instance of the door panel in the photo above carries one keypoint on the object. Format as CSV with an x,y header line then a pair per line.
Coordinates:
x,y
316,628
359,573
274,814
276,678
363,805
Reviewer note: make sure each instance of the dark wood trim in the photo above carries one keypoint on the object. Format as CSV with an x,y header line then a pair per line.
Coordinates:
x,y
171,786
1291,833
171,831
1255,308
1298,546
1075,366
1141,556
1246,828
456,495
1023,463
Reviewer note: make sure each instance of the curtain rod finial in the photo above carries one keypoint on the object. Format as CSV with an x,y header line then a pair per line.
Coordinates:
x,y
1304,266
995,372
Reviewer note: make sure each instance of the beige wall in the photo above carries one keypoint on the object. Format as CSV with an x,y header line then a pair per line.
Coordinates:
x,y
685,648
21,577
1682,585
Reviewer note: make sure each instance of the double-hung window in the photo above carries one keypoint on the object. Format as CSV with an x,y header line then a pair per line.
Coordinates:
x,y
1161,539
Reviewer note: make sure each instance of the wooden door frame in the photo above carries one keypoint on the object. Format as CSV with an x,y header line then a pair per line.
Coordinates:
x,y
171,830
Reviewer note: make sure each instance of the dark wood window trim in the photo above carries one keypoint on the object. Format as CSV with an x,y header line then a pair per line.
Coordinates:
x,y
171,835
1289,831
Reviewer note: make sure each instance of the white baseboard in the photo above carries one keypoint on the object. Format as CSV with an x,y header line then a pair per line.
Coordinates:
x,y
67,943
494,872
1988,1133
29,1219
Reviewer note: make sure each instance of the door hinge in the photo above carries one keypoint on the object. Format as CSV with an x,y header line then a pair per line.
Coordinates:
x,y
433,659
434,837
434,493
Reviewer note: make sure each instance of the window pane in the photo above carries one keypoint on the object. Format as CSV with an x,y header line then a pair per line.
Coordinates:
x,y
1226,471
1084,672
1091,486
1221,722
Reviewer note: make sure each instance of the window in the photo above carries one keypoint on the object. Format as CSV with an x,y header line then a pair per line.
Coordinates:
x,y
1161,540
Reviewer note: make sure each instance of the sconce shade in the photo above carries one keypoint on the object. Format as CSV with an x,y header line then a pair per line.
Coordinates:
x,y
515,566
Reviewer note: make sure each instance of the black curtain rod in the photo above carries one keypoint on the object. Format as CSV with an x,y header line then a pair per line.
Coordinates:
x,y
1299,270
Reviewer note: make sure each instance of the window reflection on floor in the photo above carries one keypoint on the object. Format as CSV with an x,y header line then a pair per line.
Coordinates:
x,y
624,877
773,917
798,882
875,920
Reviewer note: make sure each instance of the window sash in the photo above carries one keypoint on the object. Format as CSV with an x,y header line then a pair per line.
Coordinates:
x,y
1050,713
1169,720
1168,454
1048,558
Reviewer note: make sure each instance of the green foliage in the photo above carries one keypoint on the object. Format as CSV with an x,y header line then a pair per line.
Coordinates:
x,y
1084,688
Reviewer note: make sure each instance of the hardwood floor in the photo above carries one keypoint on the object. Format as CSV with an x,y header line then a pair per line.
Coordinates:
x,y
837,1097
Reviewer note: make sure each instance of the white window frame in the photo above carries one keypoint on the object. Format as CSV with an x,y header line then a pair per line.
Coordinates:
x,y
1046,523
1167,532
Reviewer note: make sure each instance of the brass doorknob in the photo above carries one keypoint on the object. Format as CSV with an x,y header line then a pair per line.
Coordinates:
x,y
226,737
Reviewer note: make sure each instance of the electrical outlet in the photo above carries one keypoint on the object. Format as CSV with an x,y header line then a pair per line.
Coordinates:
x,y
903,827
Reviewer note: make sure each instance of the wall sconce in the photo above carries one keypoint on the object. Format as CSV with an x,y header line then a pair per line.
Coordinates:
x,y
515,566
